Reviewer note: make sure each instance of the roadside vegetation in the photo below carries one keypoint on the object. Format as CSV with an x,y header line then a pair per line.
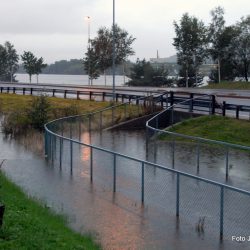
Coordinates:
x,y
216,128
28,224
228,85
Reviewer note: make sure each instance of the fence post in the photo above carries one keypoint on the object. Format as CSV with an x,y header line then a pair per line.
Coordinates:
x,y
103,96
173,153
114,172
178,195
14,90
100,122
221,211
53,92
116,97
65,94
198,156
60,160
213,105
227,162
191,102
31,91
171,98
71,156
224,108
77,95
91,164
237,111
142,183
90,95
23,91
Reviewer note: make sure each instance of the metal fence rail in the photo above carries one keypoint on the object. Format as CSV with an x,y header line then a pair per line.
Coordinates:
x,y
208,205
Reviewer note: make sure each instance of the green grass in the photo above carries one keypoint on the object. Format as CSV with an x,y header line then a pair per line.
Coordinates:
x,y
215,128
228,85
29,225
59,106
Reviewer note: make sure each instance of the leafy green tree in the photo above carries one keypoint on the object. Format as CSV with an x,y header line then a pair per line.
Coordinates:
x,y
240,46
3,61
216,30
143,74
190,43
8,62
29,61
90,63
102,47
39,65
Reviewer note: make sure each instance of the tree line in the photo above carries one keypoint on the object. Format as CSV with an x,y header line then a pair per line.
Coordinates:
x,y
227,46
9,63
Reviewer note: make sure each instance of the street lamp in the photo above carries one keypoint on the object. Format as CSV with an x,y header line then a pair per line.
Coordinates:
x,y
87,18
113,51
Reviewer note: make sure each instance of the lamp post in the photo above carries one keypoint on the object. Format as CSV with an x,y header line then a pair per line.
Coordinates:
x,y
87,18
113,52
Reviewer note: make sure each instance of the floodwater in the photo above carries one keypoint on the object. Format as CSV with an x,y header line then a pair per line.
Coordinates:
x,y
118,220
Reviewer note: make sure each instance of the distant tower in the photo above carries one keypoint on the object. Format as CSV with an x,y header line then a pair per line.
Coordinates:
x,y
157,55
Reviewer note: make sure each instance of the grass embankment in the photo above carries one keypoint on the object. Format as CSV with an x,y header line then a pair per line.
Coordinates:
x,y
58,106
29,225
228,85
215,128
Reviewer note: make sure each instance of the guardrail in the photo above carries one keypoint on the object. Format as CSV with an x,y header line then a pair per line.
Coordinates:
x,y
206,204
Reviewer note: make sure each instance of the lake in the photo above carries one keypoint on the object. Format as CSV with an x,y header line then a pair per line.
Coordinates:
x,y
72,79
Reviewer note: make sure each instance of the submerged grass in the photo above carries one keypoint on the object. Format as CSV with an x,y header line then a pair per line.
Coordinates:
x,y
216,128
29,225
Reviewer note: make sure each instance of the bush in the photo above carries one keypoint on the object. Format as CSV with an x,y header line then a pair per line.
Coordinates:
x,y
38,113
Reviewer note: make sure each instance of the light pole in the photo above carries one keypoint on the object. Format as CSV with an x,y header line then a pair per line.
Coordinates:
x,y
87,18
113,51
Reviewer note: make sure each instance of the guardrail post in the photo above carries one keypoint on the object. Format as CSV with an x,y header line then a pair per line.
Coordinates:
x,y
116,97
142,183
24,91
221,211
31,91
103,96
90,95
224,108
137,100
53,92
8,90
198,156
122,98
65,94
237,111
191,102
1,89
91,164
227,162
172,116
77,95
14,90
161,100
166,99
178,195
114,173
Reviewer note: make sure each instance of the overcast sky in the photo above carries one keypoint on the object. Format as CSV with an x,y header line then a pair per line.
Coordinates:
x,y
56,29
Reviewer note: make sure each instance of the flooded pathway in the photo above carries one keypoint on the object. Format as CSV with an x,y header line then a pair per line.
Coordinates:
x,y
118,221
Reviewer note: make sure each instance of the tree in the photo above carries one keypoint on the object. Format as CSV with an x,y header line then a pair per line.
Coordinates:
x,y
216,29
240,46
8,62
191,44
143,74
102,47
39,65
90,63
29,61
